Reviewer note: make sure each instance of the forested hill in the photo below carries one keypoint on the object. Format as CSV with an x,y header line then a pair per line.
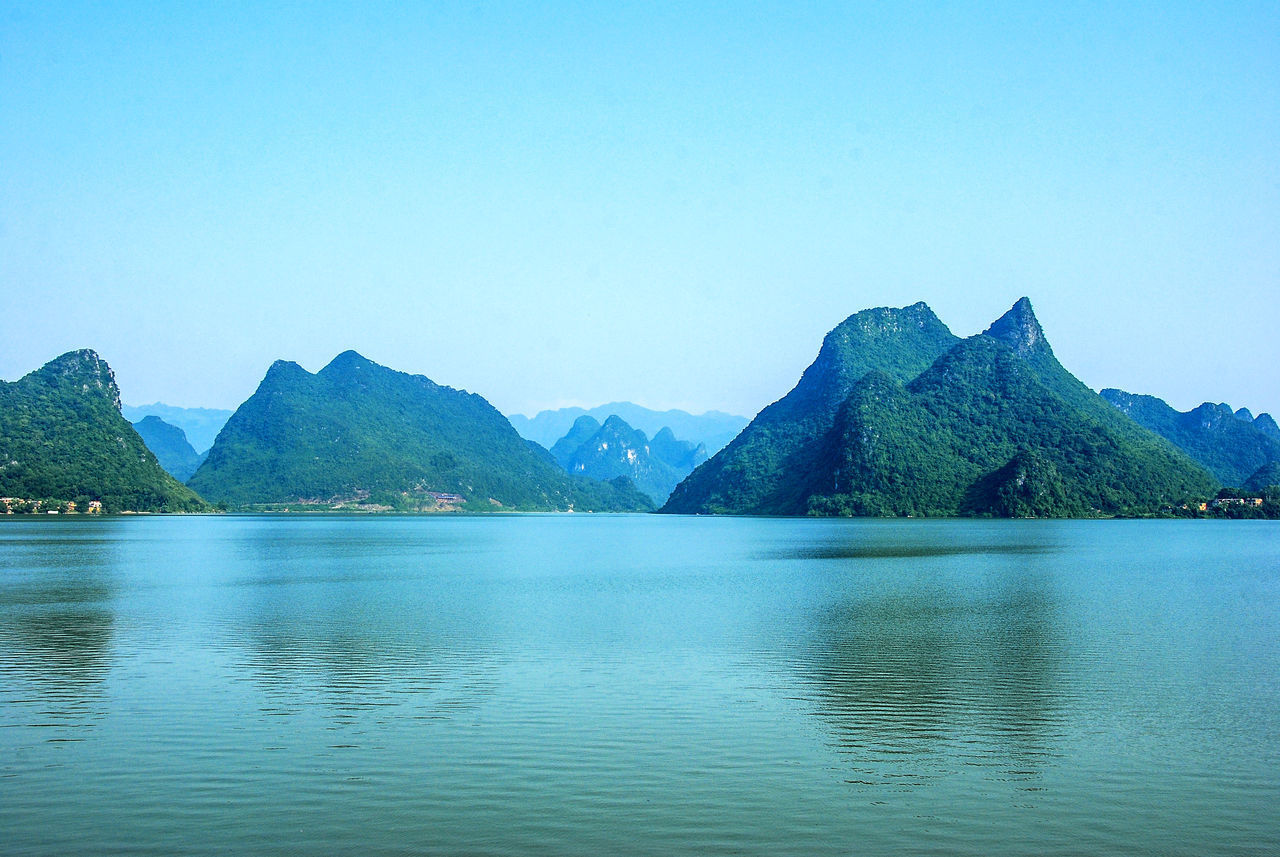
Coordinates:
x,y
989,425
1232,445
360,433
765,468
63,439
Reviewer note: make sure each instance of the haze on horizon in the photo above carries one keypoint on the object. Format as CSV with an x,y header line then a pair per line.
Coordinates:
x,y
559,204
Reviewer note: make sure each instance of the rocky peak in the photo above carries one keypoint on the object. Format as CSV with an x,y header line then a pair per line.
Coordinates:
x,y
1019,329
87,371
347,362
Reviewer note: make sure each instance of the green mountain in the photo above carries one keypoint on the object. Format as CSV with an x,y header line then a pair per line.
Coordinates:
x,y
712,429
1265,424
201,425
170,445
1231,445
1266,476
616,449
764,469
990,425
62,438
360,434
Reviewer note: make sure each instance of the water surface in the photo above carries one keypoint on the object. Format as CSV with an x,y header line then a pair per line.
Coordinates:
x,y
638,685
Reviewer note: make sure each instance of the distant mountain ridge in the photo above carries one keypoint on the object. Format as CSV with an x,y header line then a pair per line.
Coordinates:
x,y
169,443
897,416
712,429
63,438
616,449
357,434
1232,445
200,425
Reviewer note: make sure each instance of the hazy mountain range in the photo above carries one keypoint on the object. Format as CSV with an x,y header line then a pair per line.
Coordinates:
x,y
170,445
712,429
200,425
616,449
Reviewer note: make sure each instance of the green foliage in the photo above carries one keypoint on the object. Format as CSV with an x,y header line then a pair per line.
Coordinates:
x,y
1231,447
756,473
62,437
359,432
1266,476
995,426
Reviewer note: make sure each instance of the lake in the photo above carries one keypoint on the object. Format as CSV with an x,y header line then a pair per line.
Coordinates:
x,y
592,685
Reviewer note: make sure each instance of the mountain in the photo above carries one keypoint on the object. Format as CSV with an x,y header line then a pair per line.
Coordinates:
x,y
1267,425
713,429
1266,476
360,434
581,432
1231,445
683,455
898,417
616,449
170,445
62,438
762,470
201,425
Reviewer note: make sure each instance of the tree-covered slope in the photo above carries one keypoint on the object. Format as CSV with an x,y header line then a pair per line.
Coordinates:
x,y
62,437
994,425
982,432
170,445
1230,445
359,431
757,472
1266,476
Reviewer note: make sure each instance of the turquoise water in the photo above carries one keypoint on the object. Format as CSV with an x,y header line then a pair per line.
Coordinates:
x,y
593,685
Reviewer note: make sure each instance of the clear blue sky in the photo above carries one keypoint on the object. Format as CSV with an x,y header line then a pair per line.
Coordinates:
x,y
556,204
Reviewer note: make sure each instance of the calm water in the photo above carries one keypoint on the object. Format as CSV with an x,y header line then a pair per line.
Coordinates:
x,y
599,685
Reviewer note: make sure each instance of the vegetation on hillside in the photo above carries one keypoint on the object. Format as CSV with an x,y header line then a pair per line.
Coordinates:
x,y
357,432
993,426
1231,445
763,470
63,440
